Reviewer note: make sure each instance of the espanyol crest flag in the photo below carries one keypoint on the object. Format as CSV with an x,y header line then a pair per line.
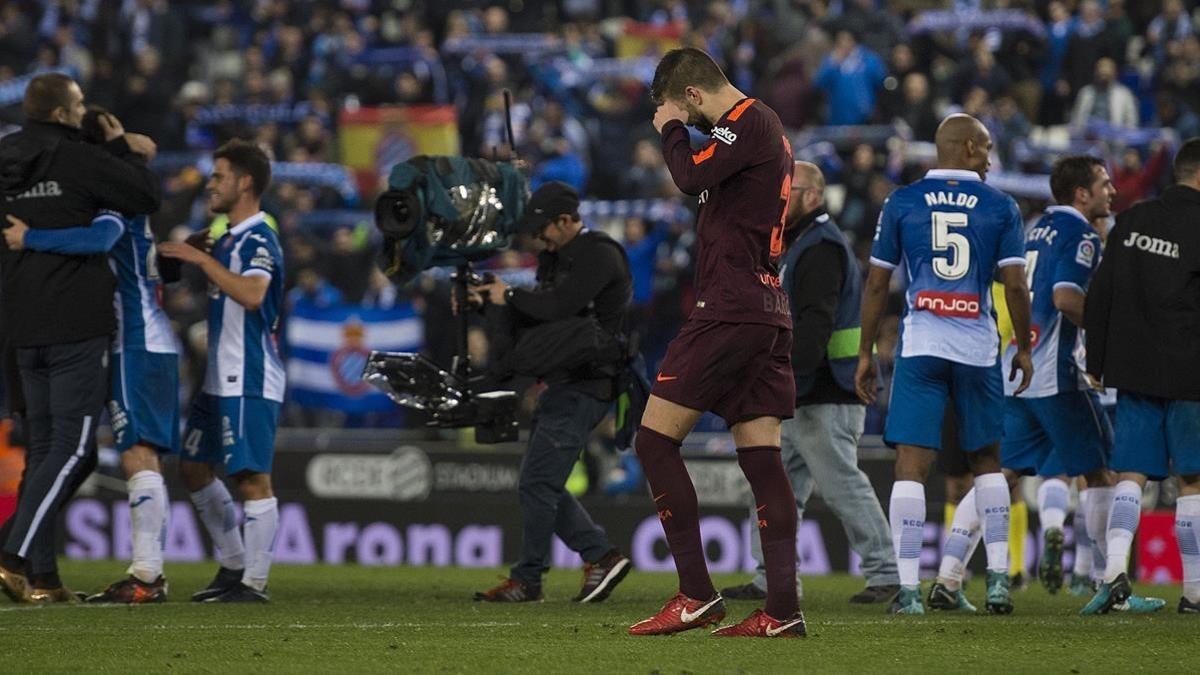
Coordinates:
x,y
328,348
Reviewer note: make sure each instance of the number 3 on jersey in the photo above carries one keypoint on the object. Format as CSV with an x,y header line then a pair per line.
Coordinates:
x,y
957,262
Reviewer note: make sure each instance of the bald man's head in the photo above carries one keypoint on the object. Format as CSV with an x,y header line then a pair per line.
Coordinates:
x,y
963,143
808,191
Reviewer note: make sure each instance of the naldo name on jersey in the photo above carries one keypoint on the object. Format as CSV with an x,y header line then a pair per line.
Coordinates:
x,y
724,134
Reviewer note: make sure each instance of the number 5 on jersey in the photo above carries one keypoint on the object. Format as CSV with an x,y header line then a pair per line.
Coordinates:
x,y
958,248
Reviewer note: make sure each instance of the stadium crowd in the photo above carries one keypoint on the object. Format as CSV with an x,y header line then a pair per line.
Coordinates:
x,y
860,83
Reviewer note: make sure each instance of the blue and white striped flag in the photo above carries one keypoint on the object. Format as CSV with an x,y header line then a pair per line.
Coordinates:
x,y
328,349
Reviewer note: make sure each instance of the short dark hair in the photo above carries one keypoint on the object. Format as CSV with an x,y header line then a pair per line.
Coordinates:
x,y
247,158
44,94
1187,160
92,131
1071,172
683,68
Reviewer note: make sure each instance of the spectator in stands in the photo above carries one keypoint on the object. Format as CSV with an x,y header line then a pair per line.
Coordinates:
x,y
1134,179
641,246
1056,90
1013,127
647,175
982,71
154,24
314,289
850,76
348,264
1090,43
1106,99
145,101
789,91
855,216
1118,28
917,110
1181,76
1177,115
1174,24
880,30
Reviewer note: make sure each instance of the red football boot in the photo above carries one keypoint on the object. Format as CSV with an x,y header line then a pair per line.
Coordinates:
x,y
682,613
761,624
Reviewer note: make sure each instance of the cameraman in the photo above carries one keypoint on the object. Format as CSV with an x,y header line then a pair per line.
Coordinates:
x,y
580,273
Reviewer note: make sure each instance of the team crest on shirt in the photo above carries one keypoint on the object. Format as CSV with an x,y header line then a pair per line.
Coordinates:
x,y
347,363
1086,253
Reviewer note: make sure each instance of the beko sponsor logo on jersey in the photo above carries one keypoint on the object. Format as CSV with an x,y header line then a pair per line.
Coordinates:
x,y
956,305
941,198
1163,247
724,134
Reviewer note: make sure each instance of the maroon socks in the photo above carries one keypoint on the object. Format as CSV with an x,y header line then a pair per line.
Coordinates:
x,y
776,509
675,499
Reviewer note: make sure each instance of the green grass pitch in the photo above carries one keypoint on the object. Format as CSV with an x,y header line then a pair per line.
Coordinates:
x,y
352,619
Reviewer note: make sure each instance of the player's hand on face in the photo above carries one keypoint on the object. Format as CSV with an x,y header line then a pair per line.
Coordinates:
x,y
181,251
14,233
666,112
865,379
1023,361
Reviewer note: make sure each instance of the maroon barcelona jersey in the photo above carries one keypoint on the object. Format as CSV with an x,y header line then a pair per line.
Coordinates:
x,y
743,177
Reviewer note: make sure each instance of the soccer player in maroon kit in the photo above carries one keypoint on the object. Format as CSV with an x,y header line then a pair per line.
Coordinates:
x,y
733,355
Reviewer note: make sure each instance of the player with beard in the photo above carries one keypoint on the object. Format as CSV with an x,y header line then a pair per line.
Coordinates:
x,y
733,355
233,418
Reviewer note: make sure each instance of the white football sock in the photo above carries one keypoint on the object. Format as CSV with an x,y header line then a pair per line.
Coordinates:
x,y
1187,531
1083,541
960,543
262,519
215,506
907,516
1052,498
1122,524
166,524
1099,505
992,504
148,516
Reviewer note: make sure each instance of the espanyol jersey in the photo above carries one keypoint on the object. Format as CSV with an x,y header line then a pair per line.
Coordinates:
x,y
141,322
951,231
1061,250
243,359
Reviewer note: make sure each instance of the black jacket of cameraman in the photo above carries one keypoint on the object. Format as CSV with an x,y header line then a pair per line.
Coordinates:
x,y
51,178
589,275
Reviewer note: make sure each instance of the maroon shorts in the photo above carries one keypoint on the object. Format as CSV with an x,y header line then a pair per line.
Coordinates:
x,y
739,371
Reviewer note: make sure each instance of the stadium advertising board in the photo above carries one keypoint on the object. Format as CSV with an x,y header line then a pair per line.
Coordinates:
x,y
435,503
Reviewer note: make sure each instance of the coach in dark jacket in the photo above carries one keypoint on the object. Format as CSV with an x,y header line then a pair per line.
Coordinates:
x,y
57,310
1143,307
1143,337
580,273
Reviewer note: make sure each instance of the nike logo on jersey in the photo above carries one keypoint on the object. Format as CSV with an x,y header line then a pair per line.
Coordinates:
x,y
772,632
666,378
140,500
688,617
